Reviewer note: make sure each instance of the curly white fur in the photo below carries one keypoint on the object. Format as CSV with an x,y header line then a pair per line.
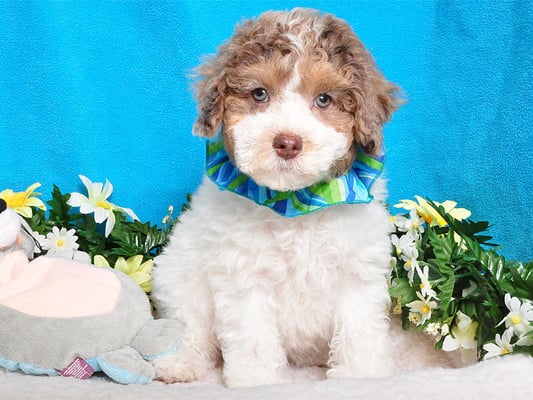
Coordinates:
x,y
265,289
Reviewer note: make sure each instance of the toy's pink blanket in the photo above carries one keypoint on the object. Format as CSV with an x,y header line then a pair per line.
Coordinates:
x,y
55,287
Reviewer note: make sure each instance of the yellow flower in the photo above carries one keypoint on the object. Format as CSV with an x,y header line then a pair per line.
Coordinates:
x,y
430,214
137,270
22,202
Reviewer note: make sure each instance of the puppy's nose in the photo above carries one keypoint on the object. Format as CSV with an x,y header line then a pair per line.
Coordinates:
x,y
287,145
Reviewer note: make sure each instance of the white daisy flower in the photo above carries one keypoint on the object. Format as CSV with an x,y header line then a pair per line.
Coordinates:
x,y
61,243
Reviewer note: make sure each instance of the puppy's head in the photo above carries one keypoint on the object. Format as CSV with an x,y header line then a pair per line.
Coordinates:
x,y
293,94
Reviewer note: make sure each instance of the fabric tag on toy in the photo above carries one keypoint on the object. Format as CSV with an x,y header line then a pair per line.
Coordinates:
x,y
77,369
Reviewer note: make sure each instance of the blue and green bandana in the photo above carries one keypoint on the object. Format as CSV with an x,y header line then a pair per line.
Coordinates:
x,y
350,188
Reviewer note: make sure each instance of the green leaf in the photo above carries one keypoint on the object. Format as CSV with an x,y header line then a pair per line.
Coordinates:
x,y
446,289
443,247
138,238
469,308
59,209
406,324
38,222
471,229
400,288
495,264
520,283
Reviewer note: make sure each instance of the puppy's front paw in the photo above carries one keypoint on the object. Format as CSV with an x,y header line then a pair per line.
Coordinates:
x,y
184,366
172,371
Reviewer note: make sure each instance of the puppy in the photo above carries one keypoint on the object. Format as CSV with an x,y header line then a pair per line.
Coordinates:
x,y
284,254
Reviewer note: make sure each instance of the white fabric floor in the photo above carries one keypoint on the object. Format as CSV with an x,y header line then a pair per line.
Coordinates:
x,y
506,378
420,374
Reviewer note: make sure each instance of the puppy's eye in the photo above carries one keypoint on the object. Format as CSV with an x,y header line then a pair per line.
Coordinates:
x,y
323,100
260,95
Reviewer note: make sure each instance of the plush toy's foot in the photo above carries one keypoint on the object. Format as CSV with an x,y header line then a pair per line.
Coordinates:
x,y
158,338
126,366
184,366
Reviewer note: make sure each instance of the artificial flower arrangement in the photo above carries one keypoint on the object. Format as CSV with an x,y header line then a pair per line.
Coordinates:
x,y
446,280
450,282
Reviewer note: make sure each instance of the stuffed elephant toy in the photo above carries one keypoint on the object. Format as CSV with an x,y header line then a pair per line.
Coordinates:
x,y
62,317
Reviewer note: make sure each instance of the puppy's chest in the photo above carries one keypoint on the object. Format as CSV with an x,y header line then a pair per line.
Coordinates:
x,y
304,303
310,266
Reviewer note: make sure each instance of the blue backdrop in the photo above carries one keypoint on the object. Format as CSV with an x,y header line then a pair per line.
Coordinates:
x,y
101,89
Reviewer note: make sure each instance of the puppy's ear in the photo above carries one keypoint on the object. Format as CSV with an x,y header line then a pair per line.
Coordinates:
x,y
378,100
372,98
209,96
